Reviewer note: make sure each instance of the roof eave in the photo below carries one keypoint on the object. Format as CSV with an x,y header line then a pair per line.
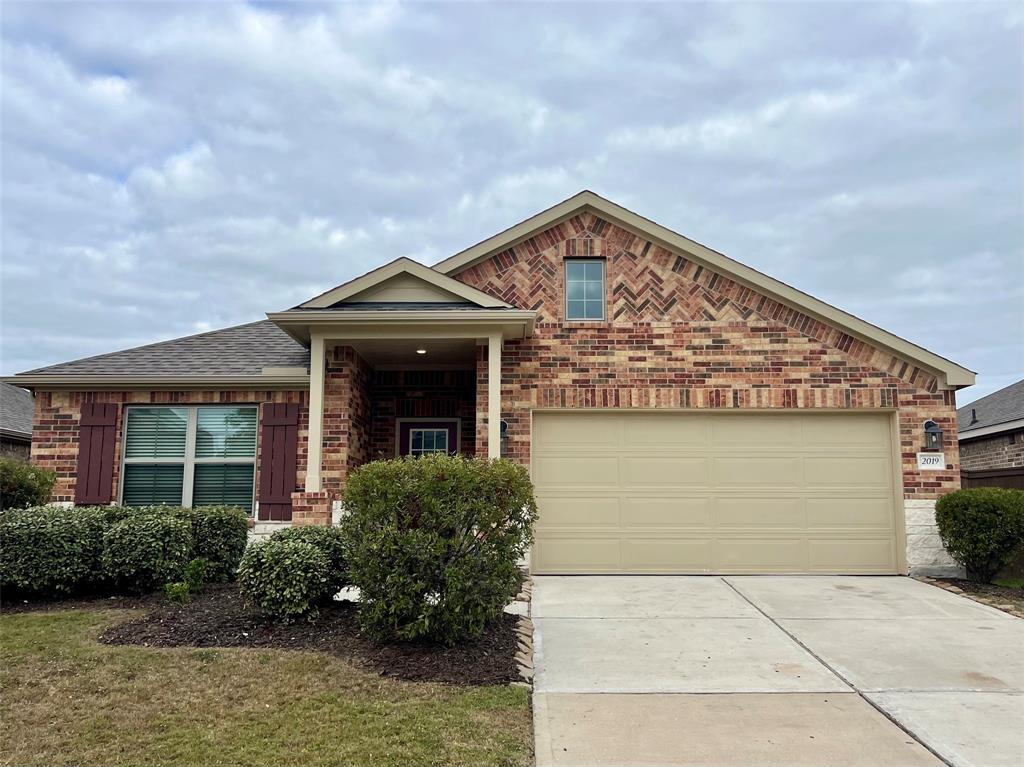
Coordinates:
x,y
114,382
991,431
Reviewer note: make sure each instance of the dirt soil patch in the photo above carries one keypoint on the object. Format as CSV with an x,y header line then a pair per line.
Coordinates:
x,y
219,618
995,595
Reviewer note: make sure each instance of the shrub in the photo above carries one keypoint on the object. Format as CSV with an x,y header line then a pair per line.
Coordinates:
x,y
330,542
195,575
219,535
51,550
981,528
284,579
147,549
178,592
434,543
23,485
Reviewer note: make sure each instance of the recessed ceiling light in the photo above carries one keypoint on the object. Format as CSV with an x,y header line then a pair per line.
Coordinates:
x,y
421,350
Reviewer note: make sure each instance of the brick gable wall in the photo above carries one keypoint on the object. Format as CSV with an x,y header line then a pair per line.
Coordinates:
x,y
679,335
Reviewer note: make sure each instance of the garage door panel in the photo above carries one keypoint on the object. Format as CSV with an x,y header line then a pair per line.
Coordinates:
x,y
694,492
766,555
653,555
666,511
756,471
760,512
563,471
578,511
649,470
850,512
856,471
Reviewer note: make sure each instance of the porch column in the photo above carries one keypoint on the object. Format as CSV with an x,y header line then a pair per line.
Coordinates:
x,y
494,395
316,412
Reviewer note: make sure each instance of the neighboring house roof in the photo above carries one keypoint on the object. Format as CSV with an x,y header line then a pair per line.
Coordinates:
x,y
16,408
998,412
257,349
950,374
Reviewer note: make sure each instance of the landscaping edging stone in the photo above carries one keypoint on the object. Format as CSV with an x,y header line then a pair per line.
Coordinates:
x,y
524,635
980,598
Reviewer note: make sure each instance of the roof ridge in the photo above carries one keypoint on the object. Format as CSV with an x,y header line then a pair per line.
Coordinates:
x,y
143,346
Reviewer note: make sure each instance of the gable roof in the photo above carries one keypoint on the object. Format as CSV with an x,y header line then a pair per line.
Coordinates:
x,y
259,350
16,409
1000,411
949,373
404,277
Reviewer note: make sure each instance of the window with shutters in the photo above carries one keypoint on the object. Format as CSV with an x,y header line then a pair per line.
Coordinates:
x,y
192,456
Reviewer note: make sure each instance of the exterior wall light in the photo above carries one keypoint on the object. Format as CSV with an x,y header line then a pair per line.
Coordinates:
x,y
421,350
504,439
932,436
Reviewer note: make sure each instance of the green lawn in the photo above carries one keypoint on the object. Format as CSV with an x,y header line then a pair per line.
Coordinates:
x,y
67,699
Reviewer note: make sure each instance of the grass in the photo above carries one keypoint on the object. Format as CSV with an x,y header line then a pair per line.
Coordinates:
x,y
67,699
1010,583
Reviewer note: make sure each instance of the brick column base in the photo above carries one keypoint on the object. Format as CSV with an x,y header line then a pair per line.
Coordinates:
x,y
311,509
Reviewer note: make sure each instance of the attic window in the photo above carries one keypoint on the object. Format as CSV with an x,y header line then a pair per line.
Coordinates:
x,y
584,289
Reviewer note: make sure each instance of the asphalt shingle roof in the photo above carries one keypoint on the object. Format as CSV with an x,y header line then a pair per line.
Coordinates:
x,y
999,407
16,409
239,350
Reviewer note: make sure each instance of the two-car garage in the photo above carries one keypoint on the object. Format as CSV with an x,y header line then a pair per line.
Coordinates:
x,y
715,492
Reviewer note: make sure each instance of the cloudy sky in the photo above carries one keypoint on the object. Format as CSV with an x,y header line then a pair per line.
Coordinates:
x,y
168,169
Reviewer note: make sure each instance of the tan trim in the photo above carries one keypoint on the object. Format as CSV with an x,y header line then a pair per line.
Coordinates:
x,y
109,381
951,375
317,367
899,507
403,266
477,323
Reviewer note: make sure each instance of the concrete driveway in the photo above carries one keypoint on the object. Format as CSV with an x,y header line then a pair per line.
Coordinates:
x,y
773,670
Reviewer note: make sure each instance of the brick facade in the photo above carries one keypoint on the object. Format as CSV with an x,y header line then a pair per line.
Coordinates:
x,y
679,335
55,436
1000,451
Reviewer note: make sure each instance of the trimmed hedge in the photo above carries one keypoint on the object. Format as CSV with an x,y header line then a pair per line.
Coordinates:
x,y
434,543
23,485
981,528
285,579
330,542
54,551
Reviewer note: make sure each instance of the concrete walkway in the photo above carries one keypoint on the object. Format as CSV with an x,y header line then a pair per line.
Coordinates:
x,y
761,671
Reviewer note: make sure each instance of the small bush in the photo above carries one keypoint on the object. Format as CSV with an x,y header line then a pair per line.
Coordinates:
x,y
981,528
195,575
51,550
23,485
178,592
328,540
219,535
147,549
284,579
434,543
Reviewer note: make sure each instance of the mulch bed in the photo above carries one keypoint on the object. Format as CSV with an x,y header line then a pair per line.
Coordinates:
x,y
218,618
998,594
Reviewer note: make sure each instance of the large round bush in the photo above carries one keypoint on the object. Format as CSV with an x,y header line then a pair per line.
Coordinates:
x,y
147,549
434,543
981,528
284,579
51,550
219,535
329,541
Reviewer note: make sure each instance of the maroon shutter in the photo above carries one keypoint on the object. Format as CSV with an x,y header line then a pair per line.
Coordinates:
x,y
280,445
97,432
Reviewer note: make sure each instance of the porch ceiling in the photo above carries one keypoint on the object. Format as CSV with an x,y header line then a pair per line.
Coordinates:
x,y
401,353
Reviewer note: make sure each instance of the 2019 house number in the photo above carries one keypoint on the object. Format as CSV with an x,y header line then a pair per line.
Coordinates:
x,y
931,461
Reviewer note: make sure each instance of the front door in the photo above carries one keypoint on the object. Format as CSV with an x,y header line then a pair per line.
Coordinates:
x,y
418,437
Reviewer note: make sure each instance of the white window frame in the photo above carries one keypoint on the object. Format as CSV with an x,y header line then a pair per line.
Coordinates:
x,y
435,431
189,461
604,289
426,419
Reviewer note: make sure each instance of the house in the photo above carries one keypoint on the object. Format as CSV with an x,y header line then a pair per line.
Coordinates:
x,y
680,412
16,407
991,436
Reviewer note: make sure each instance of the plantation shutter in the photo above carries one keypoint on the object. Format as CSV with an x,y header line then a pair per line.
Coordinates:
x,y
279,440
94,479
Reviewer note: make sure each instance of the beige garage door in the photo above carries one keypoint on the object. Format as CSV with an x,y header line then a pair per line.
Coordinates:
x,y
693,492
